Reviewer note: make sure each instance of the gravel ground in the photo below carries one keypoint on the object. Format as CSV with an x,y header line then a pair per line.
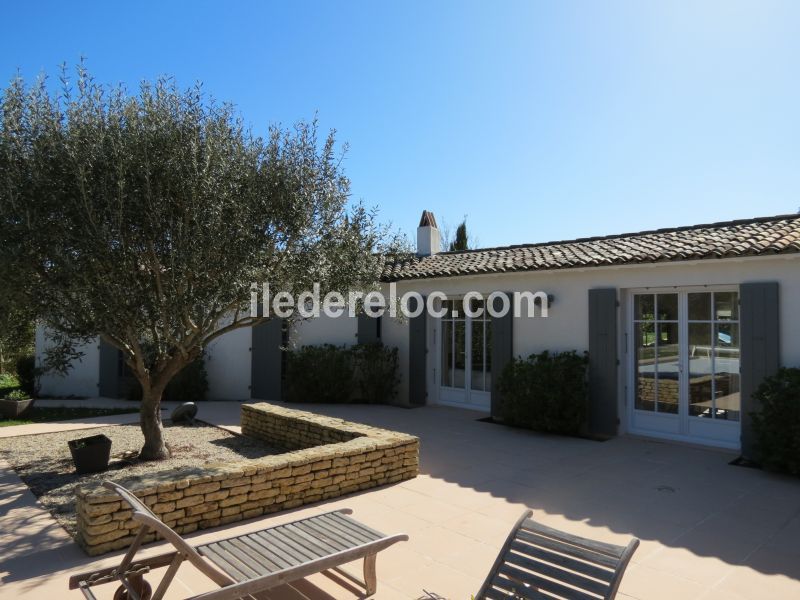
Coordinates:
x,y
44,462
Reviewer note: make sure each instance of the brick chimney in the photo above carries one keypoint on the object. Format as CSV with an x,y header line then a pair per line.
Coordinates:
x,y
428,239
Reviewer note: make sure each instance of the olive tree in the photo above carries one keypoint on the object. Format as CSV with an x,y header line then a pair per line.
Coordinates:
x,y
143,219
16,330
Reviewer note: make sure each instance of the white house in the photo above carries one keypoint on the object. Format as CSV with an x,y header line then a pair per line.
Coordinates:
x,y
680,324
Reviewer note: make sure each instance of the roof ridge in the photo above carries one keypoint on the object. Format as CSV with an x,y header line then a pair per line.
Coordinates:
x,y
718,224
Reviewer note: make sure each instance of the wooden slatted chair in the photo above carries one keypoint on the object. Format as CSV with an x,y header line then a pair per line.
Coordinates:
x,y
540,562
247,564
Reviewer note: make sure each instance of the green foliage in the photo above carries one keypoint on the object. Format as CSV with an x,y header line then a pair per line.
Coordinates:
x,y
777,424
337,374
376,372
189,385
546,392
16,324
28,375
17,395
8,382
320,374
461,242
144,218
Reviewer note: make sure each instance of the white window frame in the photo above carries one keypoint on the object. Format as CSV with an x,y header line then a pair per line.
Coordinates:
x,y
681,426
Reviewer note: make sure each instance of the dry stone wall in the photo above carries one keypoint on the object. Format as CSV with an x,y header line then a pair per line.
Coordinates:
x,y
328,458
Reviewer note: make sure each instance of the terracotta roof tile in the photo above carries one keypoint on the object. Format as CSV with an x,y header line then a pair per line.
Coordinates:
x,y
751,237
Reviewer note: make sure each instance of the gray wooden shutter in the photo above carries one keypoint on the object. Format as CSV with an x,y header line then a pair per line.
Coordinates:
x,y
502,351
109,370
417,358
603,362
367,329
760,350
266,360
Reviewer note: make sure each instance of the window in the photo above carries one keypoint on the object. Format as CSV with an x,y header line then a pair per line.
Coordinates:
x,y
714,355
466,347
454,329
657,347
481,375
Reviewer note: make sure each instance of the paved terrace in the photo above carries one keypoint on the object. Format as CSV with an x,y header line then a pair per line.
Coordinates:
x,y
708,530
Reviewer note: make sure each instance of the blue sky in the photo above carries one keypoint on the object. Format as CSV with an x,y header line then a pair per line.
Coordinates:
x,y
537,120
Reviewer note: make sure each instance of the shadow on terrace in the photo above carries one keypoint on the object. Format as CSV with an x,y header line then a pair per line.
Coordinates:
x,y
668,495
703,523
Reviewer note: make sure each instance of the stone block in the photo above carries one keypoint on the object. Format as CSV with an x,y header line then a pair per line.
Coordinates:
x,y
189,501
233,500
202,488
161,508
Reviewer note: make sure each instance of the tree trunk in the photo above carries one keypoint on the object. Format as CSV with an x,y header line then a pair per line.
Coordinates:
x,y
150,421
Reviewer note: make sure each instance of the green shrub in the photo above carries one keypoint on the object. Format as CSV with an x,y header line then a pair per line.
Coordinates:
x,y
777,424
8,383
545,392
28,374
337,374
376,374
319,374
17,395
189,385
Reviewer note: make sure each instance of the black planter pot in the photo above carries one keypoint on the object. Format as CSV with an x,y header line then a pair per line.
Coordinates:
x,y
90,454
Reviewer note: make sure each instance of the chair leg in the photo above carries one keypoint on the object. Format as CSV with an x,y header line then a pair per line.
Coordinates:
x,y
370,575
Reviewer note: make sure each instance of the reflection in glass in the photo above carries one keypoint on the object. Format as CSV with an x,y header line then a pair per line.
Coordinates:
x,y
487,327
727,399
460,343
453,309
645,366
726,306
667,306
700,306
711,351
644,307
700,369
477,382
447,353
667,367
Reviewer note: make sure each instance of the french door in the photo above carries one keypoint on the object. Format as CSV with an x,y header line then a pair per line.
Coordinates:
x,y
684,353
466,362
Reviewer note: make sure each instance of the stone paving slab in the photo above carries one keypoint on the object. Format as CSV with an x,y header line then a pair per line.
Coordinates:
x,y
709,530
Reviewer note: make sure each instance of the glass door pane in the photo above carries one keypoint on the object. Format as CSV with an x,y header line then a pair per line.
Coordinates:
x,y
460,353
645,366
667,368
487,376
447,353
657,352
714,355
476,378
727,400
701,392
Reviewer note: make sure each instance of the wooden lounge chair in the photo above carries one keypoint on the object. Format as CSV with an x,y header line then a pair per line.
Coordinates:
x,y
247,564
540,562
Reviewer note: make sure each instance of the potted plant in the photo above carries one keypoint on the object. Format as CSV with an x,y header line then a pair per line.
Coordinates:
x,y
14,404
90,454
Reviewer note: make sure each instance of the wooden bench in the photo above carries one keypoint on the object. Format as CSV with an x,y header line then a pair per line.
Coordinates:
x,y
540,562
247,564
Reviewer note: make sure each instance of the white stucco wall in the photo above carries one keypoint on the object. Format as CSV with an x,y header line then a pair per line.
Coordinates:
x,y
228,366
339,331
567,327
83,377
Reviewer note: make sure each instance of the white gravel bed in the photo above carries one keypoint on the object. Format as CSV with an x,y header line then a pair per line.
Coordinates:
x,y
44,462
